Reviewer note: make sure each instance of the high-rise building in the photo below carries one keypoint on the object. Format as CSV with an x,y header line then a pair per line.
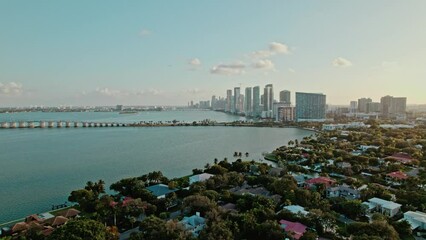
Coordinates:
x,y
248,104
391,107
228,106
310,107
213,102
285,96
256,101
286,114
399,105
275,109
362,104
373,107
268,99
241,104
236,107
353,107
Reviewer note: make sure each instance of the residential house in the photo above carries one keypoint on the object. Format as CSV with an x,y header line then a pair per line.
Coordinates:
x,y
344,165
199,178
366,147
396,178
403,158
160,190
417,219
296,209
387,208
194,224
344,191
319,180
295,229
275,171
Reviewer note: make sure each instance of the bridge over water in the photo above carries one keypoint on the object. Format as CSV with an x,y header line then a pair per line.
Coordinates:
x,y
59,124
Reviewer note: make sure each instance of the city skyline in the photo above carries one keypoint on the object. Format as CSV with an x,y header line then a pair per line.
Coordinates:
x,y
127,53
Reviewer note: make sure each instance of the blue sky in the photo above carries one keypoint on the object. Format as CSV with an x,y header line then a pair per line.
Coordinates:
x,y
170,52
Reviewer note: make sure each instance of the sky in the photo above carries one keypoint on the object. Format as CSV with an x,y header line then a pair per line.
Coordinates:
x,y
159,52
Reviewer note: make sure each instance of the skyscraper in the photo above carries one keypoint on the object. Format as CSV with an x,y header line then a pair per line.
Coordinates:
x,y
235,108
256,101
248,105
310,107
285,97
268,99
228,105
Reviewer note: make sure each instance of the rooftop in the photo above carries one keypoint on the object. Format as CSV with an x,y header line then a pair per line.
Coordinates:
x,y
398,175
297,229
160,190
384,203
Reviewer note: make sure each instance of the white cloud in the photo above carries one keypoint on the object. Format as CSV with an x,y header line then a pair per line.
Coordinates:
x,y
229,69
277,47
341,62
263,64
262,54
110,92
194,62
291,70
274,49
11,88
144,32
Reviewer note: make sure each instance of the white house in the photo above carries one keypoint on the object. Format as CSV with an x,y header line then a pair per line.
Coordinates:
x,y
199,178
296,209
387,208
416,219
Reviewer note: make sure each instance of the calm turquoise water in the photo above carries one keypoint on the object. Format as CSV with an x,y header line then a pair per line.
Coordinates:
x,y
40,167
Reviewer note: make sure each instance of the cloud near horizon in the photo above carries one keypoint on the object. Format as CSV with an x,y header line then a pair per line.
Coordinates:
x,y
11,88
229,69
341,62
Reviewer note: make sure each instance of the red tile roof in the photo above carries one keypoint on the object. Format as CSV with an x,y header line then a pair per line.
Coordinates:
x,y
58,221
321,180
398,174
404,158
70,213
294,228
20,226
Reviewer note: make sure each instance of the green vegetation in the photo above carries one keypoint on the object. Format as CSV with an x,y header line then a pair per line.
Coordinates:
x,y
245,199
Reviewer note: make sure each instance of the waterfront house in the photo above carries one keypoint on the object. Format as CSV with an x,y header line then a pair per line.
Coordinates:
x,y
57,221
417,219
344,191
387,208
199,178
160,190
69,213
295,229
194,224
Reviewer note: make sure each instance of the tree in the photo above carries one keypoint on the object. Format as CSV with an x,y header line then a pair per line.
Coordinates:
x,y
197,203
402,227
217,230
154,228
82,229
